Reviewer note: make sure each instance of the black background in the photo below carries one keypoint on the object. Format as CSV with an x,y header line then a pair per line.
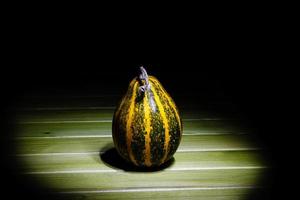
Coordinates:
x,y
235,54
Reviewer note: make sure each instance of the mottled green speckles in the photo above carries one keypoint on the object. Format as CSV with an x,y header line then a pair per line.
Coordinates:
x,y
157,138
138,137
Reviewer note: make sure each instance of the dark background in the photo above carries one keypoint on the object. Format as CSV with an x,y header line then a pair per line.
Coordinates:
x,y
237,58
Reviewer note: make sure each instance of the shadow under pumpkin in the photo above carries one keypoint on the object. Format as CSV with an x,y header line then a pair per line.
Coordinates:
x,y
112,159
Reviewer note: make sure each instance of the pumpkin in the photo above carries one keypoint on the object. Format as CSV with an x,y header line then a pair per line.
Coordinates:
x,y
147,127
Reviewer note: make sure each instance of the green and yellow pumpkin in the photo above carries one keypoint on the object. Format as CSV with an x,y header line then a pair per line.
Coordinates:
x,y
147,127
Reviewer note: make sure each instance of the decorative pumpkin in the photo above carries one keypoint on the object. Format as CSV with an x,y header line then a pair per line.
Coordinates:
x,y
147,128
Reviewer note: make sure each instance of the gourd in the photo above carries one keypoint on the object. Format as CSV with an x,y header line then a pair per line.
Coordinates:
x,y
147,127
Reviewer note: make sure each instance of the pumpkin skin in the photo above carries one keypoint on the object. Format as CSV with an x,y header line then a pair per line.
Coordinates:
x,y
147,127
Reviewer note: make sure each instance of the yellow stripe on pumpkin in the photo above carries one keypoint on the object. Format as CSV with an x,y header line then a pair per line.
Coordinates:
x,y
147,123
130,116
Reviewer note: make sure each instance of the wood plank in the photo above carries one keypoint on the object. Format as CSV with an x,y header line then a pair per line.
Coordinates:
x,y
127,180
210,194
81,128
189,143
183,161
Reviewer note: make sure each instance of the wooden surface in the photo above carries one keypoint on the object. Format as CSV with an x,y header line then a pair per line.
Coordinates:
x,y
68,149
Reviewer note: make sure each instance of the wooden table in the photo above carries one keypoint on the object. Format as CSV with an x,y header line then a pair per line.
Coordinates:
x,y
67,149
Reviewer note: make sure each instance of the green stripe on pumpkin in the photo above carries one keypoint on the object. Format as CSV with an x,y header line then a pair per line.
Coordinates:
x,y
138,137
157,137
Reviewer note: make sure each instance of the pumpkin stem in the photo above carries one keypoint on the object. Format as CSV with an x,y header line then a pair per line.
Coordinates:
x,y
144,80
